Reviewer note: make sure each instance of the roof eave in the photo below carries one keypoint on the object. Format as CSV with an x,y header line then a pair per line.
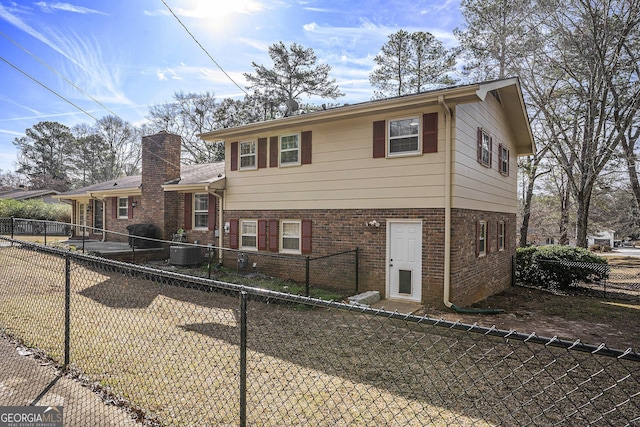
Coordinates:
x,y
462,94
205,187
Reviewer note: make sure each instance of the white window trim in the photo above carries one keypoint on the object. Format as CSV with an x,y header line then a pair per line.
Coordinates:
x,y
482,237
125,207
241,234
281,246
254,155
504,155
501,236
489,148
194,211
297,163
419,135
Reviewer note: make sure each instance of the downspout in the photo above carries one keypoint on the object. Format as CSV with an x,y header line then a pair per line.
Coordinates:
x,y
447,201
447,217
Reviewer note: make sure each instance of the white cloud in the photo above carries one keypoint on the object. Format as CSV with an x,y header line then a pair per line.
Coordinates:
x,y
66,7
168,74
10,132
87,66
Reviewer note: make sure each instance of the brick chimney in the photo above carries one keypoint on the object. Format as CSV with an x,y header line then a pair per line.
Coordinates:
x,y
160,163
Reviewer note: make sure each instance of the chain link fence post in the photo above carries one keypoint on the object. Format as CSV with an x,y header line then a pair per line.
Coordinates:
x,y
67,310
306,280
243,358
357,271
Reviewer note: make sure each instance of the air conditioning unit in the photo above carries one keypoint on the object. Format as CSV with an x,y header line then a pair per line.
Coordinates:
x,y
185,255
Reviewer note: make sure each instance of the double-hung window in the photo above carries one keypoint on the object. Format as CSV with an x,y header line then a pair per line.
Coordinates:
x,y
248,155
290,150
481,243
404,136
503,160
201,211
290,236
484,148
501,235
123,207
249,234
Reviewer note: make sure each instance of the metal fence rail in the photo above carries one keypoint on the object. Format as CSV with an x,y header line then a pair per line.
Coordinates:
x,y
605,277
333,272
179,350
33,227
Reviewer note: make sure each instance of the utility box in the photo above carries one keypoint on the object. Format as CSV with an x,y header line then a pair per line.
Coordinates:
x,y
185,255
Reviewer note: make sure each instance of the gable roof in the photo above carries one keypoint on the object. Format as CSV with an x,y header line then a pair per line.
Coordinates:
x,y
508,90
196,176
19,194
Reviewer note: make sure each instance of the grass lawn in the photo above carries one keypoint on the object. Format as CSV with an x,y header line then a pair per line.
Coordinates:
x,y
174,353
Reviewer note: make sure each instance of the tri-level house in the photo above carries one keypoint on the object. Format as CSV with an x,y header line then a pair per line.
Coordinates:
x,y
425,186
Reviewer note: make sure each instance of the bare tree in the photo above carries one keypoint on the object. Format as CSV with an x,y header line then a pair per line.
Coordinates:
x,y
589,100
189,115
123,140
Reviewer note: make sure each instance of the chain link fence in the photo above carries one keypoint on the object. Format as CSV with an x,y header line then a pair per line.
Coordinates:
x,y
117,343
337,273
623,279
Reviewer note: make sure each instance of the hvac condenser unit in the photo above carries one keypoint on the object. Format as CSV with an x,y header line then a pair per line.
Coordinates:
x,y
185,255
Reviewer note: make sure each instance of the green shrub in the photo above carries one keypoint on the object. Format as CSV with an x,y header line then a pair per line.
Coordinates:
x,y
35,209
557,266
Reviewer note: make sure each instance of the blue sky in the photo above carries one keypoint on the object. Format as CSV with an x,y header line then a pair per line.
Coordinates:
x,y
125,55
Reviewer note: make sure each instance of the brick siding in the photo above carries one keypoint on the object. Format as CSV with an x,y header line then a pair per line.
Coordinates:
x,y
472,278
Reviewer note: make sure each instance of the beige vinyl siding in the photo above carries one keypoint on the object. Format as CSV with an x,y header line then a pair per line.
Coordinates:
x,y
343,173
474,185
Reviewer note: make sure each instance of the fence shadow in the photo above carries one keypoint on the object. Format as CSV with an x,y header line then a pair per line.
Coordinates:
x,y
170,342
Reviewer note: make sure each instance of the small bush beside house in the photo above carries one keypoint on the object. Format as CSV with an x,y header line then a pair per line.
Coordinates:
x,y
557,266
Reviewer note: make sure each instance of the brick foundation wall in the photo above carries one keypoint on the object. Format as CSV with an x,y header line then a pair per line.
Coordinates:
x,y
343,230
475,278
472,278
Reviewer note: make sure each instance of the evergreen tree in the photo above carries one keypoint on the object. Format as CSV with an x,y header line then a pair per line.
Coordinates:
x,y
411,63
295,73
46,154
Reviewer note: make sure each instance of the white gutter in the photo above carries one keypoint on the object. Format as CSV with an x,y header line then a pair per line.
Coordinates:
x,y
447,200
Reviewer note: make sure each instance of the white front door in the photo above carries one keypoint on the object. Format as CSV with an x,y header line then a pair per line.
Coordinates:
x,y
404,260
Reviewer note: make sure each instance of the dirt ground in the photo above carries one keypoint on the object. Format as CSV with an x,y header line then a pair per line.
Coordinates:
x,y
589,317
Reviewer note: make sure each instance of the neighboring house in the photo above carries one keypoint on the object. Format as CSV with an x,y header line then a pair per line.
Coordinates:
x,y
603,238
167,195
424,185
540,236
22,195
